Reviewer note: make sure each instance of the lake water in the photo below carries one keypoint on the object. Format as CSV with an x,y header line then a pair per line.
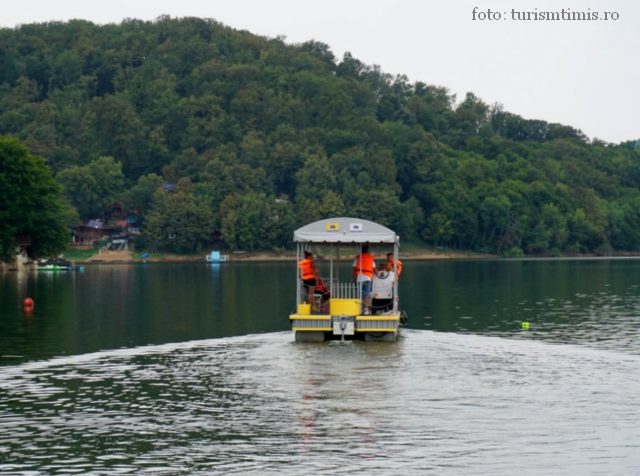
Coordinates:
x,y
190,369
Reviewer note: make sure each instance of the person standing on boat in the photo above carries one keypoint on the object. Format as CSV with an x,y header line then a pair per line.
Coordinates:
x,y
390,262
364,267
309,275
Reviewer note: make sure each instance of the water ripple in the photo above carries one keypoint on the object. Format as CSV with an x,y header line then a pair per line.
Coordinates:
x,y
432,402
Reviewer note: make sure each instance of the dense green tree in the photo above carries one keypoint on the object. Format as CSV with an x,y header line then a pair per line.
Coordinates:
x,y
379,205
315,178
94,188
219,180
438,229
556,226
285,160
331,206
409,218
177,222
584,234
278,224
495,214
30,203
139,198
242,220
121,133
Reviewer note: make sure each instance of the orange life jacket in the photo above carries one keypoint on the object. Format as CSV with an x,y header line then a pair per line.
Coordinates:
x,y
399,269
364,264
306,269
322,289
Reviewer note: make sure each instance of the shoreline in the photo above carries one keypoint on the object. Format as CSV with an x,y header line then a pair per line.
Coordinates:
x,y
127,257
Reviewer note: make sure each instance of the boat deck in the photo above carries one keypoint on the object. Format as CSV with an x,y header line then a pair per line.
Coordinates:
x,y
320,327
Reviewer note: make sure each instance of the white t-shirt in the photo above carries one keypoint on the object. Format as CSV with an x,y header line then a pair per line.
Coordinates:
x,y
361,276
383,284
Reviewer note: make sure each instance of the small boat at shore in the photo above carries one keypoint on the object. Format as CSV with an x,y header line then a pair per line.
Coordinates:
x,y
339,310
216,257
55,265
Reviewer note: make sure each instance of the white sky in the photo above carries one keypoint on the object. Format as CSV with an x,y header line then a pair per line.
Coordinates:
x,y
585,74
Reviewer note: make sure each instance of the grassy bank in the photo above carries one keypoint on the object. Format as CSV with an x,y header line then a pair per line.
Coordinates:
x,y
74,254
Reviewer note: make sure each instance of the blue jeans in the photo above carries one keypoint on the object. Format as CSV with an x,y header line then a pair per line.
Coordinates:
x,y
366,289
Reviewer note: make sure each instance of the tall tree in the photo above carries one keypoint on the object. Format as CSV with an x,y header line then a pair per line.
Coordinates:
x,y
94,188
30,203
177,222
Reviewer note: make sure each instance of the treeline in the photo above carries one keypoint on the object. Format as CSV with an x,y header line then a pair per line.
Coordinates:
x,y
258,137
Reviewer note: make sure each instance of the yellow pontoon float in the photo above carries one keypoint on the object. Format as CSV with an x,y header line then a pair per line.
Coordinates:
x,y
344,316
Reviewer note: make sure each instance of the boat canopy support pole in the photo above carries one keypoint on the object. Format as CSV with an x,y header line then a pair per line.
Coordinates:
x,y
396,253
359,285
297,276
330,272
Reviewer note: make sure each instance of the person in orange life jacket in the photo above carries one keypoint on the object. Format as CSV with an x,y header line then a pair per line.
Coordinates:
x,y
309,274
390,261
364,266
325,294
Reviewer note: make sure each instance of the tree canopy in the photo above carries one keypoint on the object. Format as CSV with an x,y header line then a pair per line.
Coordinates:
x,y
264,136
31,203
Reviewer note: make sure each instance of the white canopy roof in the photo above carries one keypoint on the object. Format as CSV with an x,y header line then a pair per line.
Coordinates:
x,y
344,230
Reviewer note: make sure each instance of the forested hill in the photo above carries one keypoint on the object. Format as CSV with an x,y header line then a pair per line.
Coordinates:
x,y
259,136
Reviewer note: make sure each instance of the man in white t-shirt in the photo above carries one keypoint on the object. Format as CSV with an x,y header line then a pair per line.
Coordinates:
x,y
383,287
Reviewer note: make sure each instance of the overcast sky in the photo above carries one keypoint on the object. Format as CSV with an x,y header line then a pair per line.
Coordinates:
x,y
581,73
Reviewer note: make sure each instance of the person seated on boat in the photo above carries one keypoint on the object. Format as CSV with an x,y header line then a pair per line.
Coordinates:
x,y
383,288
364,267
325,296
390,262
309,275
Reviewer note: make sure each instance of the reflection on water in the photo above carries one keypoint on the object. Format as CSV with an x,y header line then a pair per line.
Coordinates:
x,y
149,370
589,302
432,402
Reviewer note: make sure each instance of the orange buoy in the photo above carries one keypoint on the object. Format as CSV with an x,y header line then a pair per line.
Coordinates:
x,y
28,303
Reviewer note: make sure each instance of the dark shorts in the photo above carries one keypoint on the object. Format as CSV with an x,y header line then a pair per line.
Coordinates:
x,y
382,305
309,282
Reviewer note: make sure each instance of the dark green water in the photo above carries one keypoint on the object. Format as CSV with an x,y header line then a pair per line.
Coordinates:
x,y
191,369
594,302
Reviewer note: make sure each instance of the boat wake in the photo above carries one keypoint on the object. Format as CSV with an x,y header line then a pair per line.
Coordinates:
x,y
264,404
